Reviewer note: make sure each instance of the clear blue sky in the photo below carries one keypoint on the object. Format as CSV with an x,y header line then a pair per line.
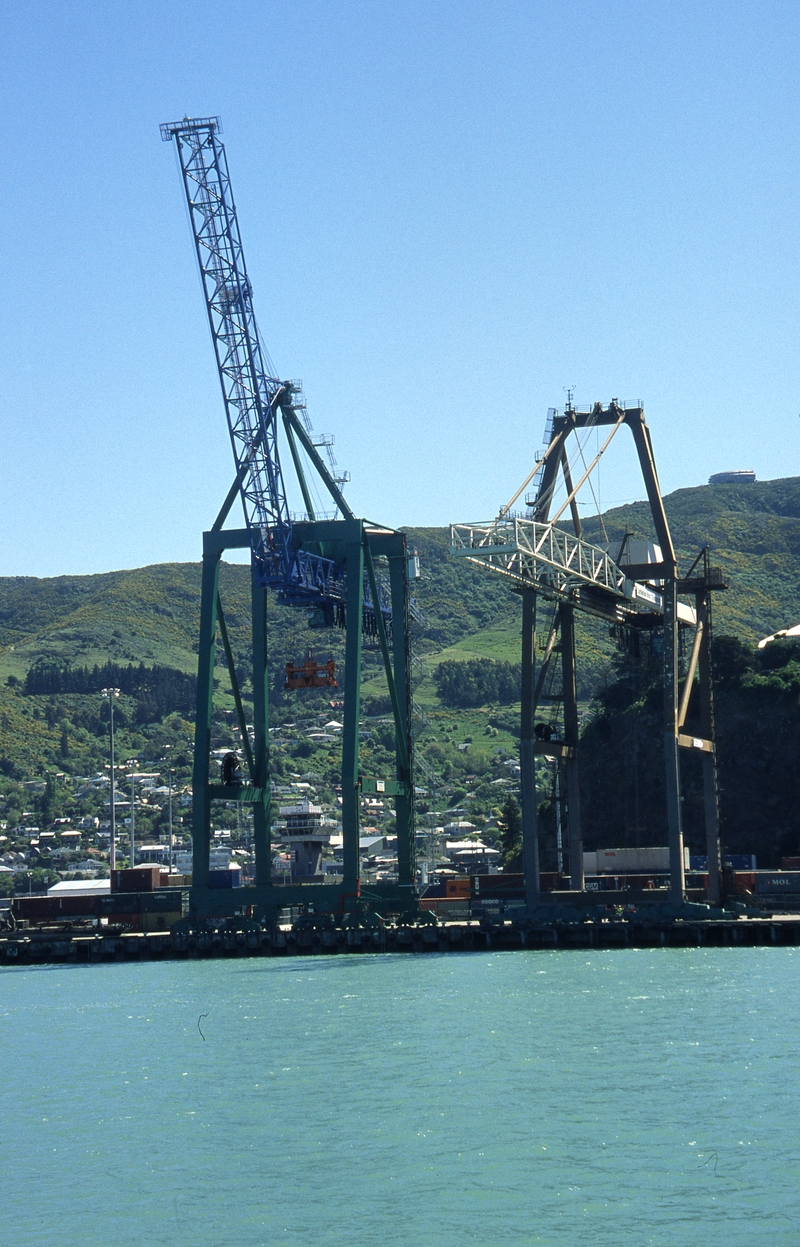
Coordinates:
x,y
450,211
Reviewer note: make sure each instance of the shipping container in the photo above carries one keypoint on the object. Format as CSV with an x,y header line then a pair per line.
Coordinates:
x,y
739,861
505,907
447,909
142,923
496,885
434,889
175,880
457,887
629,861
56,908
118,908
738,881
735,881
160,922
230,878
162,902
776,882
622,883
790,863
141,902
733,861
136,879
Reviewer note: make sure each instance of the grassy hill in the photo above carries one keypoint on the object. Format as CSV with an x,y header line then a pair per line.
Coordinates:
x,y
753,532
150,615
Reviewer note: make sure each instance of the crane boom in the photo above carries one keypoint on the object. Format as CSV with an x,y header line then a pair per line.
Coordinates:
x,y
325,562
254,397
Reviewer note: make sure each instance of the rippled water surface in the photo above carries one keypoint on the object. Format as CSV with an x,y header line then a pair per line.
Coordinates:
x,y
604,1098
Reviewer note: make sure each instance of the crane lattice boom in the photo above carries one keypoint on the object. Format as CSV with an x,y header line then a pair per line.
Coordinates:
x,y
254,397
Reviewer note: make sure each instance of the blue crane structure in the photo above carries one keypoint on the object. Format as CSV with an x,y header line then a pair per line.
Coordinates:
x,y
322,560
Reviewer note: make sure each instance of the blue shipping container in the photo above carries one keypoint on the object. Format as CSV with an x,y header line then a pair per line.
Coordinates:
x,y
775,882
733,861
225,878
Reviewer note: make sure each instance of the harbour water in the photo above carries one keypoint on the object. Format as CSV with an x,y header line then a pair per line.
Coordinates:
x,y
636,1097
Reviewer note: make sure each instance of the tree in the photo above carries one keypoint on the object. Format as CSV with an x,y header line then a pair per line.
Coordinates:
x,y
46,800
757,704
477,682
509,824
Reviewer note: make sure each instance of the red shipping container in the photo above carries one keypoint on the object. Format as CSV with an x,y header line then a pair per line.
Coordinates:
x,y
55,908
136,879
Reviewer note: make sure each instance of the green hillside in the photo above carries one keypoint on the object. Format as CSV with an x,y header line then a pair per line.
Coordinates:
x,y
151,615
753,532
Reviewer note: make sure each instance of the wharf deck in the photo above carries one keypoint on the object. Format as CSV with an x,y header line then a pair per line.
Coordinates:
x,y
59,945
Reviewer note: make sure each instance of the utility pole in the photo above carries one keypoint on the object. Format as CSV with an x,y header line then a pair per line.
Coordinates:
x,y
133,813
170,822
112,694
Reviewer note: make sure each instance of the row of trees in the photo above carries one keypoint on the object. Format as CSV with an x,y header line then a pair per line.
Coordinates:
x,y
158,690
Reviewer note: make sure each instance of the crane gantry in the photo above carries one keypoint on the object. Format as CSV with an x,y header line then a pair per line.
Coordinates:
x,y
323,560
630,585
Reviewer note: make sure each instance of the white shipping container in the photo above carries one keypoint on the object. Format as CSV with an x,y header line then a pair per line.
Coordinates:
x,y
630,861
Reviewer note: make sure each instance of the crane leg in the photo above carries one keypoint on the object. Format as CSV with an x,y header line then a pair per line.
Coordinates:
x,y
352,705
671,751
567,619
404,803
261,810
201,805
530,831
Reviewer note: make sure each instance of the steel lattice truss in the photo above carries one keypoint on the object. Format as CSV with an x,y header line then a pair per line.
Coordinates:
x,y
252,394
550,559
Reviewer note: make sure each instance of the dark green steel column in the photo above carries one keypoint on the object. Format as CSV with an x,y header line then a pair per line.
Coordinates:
x,y
352,706
261,810
571,730
404,804
671,747
527,758
201,803
710,782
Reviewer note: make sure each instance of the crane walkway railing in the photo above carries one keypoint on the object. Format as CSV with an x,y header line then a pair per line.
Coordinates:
x,y
524,548
544,557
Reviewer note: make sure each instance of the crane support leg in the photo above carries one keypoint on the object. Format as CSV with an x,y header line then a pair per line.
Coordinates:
x,y
571,733
671,749
261,810
404,804
201,804
530,831
710,785
352,705
644,449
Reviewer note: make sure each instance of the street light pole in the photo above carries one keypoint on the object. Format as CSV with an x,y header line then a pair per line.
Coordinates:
x,y
170,821
112,694
133,814
169,781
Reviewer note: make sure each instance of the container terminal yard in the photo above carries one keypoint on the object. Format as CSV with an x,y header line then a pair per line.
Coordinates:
x,y
357,576
469,913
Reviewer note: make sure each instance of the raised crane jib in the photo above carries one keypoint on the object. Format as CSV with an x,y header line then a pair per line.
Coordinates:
x,y
254,397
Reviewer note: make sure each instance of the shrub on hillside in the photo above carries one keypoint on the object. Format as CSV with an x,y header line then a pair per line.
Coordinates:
x,y
477,682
